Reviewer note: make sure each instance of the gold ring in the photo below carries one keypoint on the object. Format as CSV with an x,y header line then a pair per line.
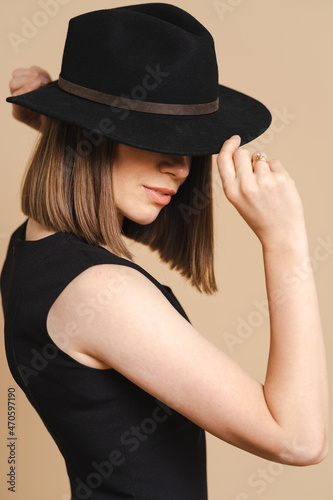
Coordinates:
x,y
259,156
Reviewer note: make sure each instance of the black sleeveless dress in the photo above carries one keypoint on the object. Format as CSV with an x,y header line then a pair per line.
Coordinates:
x,y
118,442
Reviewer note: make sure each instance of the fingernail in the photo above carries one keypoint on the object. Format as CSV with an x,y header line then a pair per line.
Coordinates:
x,y
234,137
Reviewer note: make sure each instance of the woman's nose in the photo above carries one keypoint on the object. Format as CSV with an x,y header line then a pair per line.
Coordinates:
x,y
179,166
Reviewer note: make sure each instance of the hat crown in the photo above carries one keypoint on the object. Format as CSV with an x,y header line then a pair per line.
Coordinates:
x,y
156,47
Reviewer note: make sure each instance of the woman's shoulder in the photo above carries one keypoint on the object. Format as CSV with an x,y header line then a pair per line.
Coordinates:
x,y
83,300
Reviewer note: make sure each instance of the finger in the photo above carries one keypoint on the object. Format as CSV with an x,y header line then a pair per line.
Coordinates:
x,y
257,156
32,71
225,160
40,71
263,166
260,165
276,166
243,163
22,85
27,88
18,82
20,72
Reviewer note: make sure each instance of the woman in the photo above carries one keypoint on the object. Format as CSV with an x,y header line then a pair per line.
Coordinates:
x,y
124,383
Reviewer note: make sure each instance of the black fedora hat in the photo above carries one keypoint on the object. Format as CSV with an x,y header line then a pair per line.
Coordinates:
x,y
146,75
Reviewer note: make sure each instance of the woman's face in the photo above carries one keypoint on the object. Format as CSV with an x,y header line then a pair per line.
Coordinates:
x,y
134,171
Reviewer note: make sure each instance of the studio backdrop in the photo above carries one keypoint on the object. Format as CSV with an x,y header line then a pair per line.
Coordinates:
x,y
278,51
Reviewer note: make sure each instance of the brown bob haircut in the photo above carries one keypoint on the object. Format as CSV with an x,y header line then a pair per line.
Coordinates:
x,y
67,187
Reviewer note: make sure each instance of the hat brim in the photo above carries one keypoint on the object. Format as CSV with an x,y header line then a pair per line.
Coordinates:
x,y
194,135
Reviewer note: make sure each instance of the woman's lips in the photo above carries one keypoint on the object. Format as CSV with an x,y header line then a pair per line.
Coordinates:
x,y
163,199
161,190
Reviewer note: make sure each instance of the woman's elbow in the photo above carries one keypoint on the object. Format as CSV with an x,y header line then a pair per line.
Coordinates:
x,y
311,454
316,455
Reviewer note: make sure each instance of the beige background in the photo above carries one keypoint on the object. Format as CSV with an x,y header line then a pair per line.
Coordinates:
x,y
280,52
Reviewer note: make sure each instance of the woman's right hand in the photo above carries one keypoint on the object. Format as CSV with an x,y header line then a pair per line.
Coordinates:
x,y
25,80
265,196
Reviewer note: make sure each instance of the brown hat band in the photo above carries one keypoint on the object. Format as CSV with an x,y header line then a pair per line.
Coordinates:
x,y
136,105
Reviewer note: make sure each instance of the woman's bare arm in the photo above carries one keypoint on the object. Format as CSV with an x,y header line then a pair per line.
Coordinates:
x,y
296,388
296,384
140,334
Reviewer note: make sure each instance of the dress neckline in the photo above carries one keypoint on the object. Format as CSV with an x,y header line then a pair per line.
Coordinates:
x,y
46,239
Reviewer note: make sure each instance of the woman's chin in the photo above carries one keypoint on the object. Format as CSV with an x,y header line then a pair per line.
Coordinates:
x,y
145,218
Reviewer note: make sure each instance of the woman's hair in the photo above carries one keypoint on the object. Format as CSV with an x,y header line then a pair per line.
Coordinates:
x,y
67,187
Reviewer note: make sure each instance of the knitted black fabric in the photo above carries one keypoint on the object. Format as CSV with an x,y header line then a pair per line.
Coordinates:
x,y
117,440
